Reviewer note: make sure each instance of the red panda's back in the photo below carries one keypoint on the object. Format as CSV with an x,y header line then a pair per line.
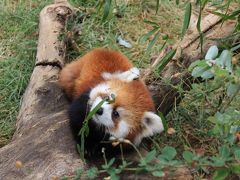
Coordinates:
x,y
98,61
95,63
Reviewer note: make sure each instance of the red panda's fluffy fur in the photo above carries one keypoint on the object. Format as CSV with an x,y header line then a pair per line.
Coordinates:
x,y
86,72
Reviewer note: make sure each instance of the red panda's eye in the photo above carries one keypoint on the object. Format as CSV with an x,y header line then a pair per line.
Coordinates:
x,y
106,98
115,114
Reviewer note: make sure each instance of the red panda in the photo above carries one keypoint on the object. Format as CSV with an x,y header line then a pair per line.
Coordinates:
x,y
104,74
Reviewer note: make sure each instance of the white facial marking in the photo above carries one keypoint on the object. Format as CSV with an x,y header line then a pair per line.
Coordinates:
x,y
106,117
101,88
152,124
126,76
122,130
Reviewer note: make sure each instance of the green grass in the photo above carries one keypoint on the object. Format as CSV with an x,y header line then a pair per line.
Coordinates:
x,y
18,42
127,20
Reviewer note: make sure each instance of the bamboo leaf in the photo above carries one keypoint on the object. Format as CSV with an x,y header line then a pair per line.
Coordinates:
x,y
164,121
84,131
92,112
157,6
204,3
150,45
225,16
187,17
82,147
199,28
106,11
152,23
165,60
146,36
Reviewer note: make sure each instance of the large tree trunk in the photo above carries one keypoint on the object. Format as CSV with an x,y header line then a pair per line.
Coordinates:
x,y
42,143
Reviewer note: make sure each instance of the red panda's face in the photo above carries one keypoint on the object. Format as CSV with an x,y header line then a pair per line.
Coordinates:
x,y
128,111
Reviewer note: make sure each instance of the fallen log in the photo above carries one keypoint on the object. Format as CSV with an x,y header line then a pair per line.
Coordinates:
x,y
42,145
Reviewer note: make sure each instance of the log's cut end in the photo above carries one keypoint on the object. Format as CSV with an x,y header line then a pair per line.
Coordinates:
x,y
51,49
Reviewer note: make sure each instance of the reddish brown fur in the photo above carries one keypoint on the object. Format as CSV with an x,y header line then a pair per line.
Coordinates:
x,y
85,73
135,99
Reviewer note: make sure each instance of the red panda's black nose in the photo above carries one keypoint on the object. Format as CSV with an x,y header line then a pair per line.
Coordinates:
x,y
100,111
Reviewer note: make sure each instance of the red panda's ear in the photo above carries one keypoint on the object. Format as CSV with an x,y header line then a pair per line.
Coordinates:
x,y
151,124
126,76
